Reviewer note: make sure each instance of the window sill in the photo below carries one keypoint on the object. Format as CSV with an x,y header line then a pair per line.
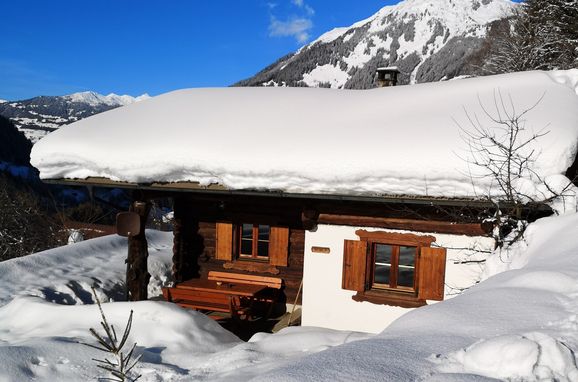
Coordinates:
x,y
251,266
382,297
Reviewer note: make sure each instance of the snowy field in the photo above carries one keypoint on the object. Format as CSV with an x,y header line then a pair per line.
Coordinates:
x,y
518,325
46,309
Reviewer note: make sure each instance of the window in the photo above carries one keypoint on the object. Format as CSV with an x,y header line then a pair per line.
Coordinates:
x,y
394,269
256,243
393,266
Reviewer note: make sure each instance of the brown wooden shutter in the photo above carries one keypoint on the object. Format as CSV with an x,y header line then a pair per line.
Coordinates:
x,y
432,271
278,246
354,265
224,246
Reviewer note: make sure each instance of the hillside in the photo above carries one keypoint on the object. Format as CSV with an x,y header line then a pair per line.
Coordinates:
x,y
14,147
427,40
38,116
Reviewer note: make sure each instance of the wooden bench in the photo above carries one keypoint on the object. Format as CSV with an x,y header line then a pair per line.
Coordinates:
x,y
240,295
214,302
227,277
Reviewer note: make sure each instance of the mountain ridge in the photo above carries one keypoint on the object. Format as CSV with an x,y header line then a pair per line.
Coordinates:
x,y
427,40
38,116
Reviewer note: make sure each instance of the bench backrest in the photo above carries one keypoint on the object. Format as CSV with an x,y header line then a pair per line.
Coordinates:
x,y
271,282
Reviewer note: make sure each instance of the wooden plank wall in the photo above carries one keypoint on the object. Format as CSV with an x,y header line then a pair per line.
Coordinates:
x,y
291,275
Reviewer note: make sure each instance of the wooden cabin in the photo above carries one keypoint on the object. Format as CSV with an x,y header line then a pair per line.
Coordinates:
x,y
338,258
351,204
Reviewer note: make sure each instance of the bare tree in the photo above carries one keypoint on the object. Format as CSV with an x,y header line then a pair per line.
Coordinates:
x,y
504,154
24,227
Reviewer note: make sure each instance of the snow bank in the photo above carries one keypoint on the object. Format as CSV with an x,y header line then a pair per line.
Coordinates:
x,y
529,357
65,275
398,141
46,309
519,325
305,339
43,341
185,328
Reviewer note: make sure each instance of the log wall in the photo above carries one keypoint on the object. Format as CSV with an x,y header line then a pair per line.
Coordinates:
x,y
291,275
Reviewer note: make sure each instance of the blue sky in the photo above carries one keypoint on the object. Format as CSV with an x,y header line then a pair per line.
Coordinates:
x,y
55,47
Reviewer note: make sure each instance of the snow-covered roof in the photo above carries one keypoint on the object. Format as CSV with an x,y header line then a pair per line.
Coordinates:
x,y
388,68
388,141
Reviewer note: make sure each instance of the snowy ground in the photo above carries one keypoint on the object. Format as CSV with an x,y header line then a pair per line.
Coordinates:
x,y
518,325
46,309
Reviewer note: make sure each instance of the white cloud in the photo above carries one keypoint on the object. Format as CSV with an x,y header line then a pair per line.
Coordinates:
x,y
301,4
296,27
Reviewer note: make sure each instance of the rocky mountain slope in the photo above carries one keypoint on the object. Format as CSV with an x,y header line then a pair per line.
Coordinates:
x,y
428,40
38,116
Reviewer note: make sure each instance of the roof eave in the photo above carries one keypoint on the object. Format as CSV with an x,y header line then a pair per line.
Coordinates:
x,y
195,187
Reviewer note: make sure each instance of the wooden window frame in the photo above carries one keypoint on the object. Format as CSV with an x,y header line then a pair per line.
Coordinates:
x,y
255,243
227,243
394,270
396,296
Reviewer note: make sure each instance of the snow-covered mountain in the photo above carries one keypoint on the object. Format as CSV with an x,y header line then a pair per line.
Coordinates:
x,y
428,40
95,99
37,116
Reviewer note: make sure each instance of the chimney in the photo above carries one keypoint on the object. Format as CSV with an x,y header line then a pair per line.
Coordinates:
x,y
387,76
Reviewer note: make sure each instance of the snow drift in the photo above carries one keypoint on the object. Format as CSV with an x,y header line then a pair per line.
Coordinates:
x,y
519,325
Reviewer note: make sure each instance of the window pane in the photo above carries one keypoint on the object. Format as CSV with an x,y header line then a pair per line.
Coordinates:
x,y
381,274
246,247
247,231
383,253
263,249
263,244
247,239
382,264
406,267
263,232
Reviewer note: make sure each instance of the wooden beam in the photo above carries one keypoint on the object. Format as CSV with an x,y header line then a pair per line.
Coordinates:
x,y
137,276
396,237
309,219
470,229
218,189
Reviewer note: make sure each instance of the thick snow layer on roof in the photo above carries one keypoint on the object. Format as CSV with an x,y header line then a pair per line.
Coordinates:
x,y
398,141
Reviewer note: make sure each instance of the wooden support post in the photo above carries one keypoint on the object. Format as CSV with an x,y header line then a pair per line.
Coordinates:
x,y
187,243
137,276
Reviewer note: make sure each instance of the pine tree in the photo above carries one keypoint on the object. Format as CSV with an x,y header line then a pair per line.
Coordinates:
x,y
543,35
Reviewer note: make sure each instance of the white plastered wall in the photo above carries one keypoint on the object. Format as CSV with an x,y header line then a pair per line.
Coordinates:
x,y
326,304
